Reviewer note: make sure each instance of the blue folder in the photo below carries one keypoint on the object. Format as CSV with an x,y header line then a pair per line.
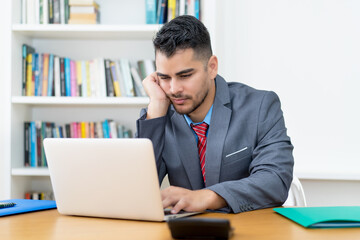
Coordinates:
x,y
26,205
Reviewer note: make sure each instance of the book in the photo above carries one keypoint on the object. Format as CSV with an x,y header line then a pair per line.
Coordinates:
x,y
51,10
62,78
29,74
56,8
120,77
57,74
45,74
26,144
88,79
323,217
139,89
67,77
102,79
83,79
26,49
26,205
36,74
197,9
126,74
50,75
162,11
23,12
79,78
73,80
38,143
33,142
109,80
151,11
171,9
115,79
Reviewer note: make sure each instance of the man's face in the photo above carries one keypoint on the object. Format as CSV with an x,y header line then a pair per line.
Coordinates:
x,y
184,80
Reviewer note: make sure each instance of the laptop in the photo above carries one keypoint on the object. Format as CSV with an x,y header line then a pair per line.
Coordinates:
x,y
110,178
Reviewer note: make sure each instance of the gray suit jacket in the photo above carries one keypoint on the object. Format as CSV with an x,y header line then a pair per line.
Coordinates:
x,y
249,158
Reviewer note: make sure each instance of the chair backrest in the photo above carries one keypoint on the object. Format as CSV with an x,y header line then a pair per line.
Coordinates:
x,y
296,196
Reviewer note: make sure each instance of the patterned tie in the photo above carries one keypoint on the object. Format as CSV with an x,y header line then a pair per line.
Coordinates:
x,y
200,131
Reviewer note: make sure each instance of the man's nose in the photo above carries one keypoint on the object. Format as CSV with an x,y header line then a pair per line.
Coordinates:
x,y
175,87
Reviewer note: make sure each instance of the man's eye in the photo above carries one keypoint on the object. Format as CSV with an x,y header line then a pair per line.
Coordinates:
x,y
165,78
185,76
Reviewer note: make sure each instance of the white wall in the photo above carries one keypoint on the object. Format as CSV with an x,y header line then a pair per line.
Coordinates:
x,y
308,52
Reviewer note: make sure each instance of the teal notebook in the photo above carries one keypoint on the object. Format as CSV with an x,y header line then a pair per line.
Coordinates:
x,y
323,217
26,205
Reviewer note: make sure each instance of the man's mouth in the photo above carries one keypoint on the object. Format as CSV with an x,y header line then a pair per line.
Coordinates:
x,y
178,100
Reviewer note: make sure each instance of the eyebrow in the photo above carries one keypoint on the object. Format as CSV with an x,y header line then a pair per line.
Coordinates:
x,y
177,74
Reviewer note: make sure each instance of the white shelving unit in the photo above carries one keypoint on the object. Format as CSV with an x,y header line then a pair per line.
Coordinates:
x,y
122,34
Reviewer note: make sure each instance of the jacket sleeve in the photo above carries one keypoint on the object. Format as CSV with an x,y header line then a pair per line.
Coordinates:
x,y
271,167
153,129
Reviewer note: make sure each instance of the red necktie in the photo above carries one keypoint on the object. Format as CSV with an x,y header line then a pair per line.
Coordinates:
x,y
200,131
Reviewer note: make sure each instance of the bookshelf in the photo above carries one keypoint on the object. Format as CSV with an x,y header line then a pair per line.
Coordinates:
x,y
122,34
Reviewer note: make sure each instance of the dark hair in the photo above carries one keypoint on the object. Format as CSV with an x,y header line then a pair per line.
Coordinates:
x,y
184,32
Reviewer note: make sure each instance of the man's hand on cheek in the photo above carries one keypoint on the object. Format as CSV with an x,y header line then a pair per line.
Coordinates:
x,y
159,102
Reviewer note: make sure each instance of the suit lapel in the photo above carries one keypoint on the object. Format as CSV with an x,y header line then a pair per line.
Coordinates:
x,y
218,129
188,151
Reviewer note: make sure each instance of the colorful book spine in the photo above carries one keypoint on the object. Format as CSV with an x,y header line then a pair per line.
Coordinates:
x,y
26,144
33,148
67,77
29,74
84,79
171,9
125,70
45,74
106,131
62,77
115,79
79,78
36,74
73,78
88,79
50,75
150,6
109,81
26,49
57,81
197,9
83,129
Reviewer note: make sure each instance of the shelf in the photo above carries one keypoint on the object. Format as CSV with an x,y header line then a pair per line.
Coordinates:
x,y
81,101
98,31
30,172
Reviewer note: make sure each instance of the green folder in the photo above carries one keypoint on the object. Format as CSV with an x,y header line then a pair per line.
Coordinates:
x,y
323,217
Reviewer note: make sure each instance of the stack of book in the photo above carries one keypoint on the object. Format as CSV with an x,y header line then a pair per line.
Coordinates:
x,y
162,11
45,74
36,131
84,12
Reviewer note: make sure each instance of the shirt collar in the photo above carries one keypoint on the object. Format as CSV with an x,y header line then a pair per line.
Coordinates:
x,y
206,119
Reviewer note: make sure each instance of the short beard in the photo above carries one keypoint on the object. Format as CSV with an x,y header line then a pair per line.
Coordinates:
x,y
193,108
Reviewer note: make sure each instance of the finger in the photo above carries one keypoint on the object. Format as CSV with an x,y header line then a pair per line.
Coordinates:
x,y
155,77
179,206
167,203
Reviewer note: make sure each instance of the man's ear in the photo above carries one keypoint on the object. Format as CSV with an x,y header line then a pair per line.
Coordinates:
x,y
212,66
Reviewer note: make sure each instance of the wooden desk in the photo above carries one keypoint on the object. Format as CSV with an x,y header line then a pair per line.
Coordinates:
x,y
259,224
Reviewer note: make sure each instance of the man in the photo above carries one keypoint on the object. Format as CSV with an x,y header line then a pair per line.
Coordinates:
x,y
223,145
